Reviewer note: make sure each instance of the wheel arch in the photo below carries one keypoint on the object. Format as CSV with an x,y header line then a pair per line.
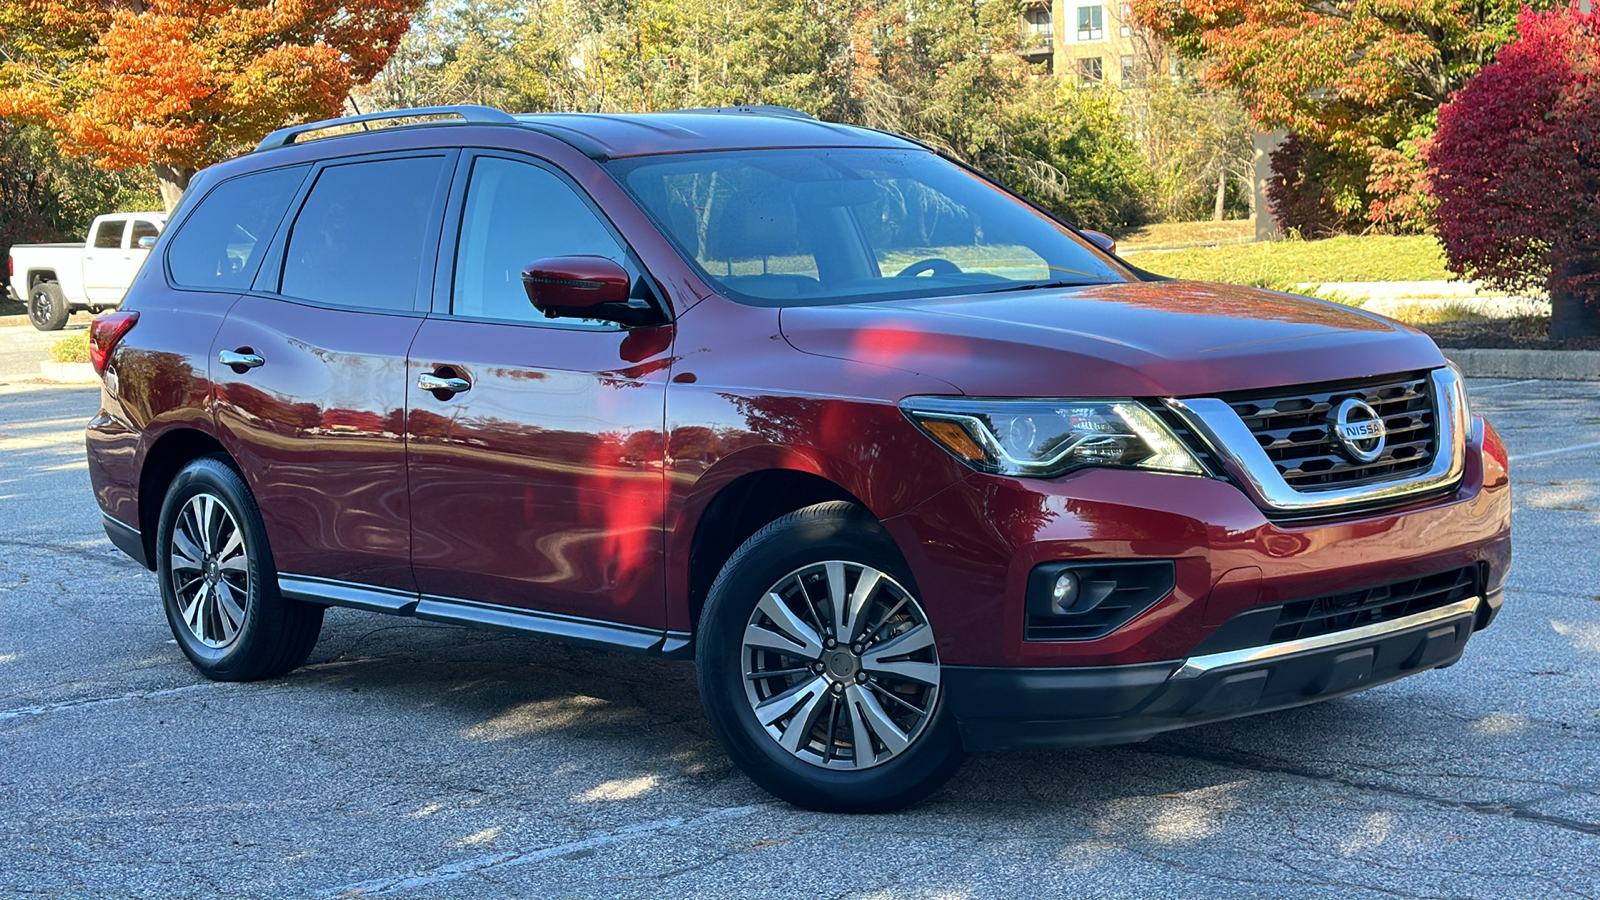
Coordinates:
x,y
162,462
738,510
37,276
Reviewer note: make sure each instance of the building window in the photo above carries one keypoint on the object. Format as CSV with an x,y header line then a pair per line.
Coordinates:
x,y
1090,71
1037,34
1128,75
1125,14
1091,23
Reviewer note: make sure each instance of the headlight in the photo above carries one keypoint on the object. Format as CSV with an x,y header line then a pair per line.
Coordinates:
x,y
1046,438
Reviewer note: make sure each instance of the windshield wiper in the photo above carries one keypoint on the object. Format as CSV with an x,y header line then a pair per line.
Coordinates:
x,y
1045,285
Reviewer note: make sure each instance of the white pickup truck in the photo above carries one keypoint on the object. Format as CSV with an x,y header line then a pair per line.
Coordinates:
x,y
57,279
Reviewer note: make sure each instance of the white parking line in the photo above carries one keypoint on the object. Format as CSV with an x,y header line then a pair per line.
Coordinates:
x,y
1496,387
452,871
89,702
1572,449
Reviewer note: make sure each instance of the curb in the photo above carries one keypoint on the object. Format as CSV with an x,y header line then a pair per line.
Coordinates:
x,y
1552,365
72,373
77,318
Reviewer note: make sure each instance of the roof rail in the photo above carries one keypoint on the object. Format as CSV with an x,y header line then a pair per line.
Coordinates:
x,y
756,109
475,114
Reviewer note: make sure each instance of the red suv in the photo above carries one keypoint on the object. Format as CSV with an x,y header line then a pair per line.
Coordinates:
x,y
908,466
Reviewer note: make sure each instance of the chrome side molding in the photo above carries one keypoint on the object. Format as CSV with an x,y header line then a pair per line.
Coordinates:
x,y
455,611
1196,666
1231,442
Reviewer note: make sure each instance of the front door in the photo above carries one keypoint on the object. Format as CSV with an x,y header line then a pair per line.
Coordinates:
x,y
536,478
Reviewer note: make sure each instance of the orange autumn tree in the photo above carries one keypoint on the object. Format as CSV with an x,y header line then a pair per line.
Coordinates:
x,y
182,84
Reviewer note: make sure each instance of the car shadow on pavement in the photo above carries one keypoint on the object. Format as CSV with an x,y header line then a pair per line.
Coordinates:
x,y
636,718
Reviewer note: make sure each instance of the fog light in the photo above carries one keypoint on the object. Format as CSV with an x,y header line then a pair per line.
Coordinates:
x,y
1064,593
1086,600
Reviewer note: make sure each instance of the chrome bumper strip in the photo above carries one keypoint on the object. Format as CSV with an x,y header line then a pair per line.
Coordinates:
x,y
1197,666
1231,442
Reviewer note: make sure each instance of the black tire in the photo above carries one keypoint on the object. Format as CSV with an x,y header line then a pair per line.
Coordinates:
x,y
47,306
272,634
834,531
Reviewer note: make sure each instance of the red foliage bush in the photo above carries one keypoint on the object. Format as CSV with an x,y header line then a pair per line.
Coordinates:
x,y
1515,166
1402,195
1303,192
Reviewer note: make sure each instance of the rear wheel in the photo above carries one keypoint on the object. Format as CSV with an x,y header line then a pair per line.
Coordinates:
x,y
47,306
218,583
818,667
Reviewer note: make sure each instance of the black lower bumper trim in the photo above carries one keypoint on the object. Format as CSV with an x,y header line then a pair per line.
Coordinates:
x,y
1005,708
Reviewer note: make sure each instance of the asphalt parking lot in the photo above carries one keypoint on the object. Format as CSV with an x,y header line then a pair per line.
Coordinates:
x,y
415,760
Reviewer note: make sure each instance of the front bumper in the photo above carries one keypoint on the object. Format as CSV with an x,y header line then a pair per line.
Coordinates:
x,y
1019,708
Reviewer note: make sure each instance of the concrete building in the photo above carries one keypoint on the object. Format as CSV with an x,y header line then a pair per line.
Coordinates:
x,y
1093,43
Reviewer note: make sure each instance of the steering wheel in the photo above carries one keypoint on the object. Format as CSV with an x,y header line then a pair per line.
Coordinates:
x,y
934,265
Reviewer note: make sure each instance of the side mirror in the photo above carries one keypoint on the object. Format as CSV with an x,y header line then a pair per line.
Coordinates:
x,y
145,243
1104,241
582,287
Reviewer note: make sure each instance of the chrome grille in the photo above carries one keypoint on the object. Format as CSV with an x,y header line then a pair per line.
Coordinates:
x,y
1291,425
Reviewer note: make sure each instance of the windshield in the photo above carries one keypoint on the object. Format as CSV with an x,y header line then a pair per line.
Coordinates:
x,y
811,227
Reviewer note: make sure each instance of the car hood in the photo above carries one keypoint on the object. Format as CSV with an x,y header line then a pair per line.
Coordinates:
x,y
1166,338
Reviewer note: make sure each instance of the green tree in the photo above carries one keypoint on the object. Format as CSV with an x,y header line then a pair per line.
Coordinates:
x,y
45,196
1350,78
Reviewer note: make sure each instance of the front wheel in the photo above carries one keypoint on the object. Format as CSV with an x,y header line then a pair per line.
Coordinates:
x,y
47,306
218,583
819,670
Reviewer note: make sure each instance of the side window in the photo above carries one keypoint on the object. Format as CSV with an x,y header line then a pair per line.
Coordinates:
x,y
143,229
220,244
109,235
358,240
516,213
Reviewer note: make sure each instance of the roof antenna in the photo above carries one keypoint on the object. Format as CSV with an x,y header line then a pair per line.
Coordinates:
x,y
357,108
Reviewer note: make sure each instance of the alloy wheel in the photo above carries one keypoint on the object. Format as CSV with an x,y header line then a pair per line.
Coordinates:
x,y
41,308
210,570
840,666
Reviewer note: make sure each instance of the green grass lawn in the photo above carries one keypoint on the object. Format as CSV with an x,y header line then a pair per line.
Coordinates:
x,y
1281,264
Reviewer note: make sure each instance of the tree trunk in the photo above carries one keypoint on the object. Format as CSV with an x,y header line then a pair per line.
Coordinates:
x,y
1570,317
1222,194
173,180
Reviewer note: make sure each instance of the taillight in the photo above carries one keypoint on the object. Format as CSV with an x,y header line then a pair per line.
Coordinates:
x,y
104,332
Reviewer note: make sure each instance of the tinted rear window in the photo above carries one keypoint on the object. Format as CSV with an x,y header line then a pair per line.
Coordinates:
x,y
220,245
358,240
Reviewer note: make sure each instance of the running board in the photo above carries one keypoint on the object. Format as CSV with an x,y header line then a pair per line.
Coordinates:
x,y
453,611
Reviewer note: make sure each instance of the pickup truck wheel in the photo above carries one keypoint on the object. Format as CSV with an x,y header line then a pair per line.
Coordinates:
x,y
818,668
47,306
218,583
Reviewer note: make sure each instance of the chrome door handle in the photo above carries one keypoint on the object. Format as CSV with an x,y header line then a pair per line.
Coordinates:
x,y
240,360
449,385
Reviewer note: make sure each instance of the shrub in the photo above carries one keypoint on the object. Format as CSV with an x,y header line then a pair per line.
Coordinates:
x,y
74,348
1310,190
1402,196
1516,169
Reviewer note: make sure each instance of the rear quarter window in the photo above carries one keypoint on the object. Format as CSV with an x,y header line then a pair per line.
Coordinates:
x,y
219,246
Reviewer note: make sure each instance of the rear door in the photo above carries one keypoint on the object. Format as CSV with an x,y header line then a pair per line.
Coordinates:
x,y
105,261
540,486
309,373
